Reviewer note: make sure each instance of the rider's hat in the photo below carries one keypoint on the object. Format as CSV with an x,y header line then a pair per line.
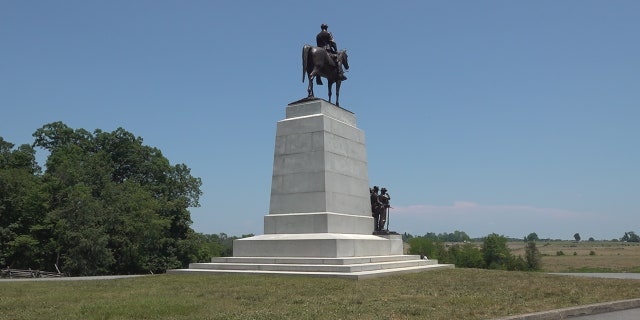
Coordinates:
x,y
324,26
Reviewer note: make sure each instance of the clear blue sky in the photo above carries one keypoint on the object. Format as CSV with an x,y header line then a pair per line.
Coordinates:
x,y
481,116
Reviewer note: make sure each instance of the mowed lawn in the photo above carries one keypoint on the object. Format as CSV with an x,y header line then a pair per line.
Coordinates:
x,y
441,294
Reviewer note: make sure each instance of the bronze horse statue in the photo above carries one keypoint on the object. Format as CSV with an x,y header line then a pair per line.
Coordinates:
x,y
316,62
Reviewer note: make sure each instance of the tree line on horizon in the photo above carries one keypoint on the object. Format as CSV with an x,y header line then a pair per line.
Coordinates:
x,y
461,236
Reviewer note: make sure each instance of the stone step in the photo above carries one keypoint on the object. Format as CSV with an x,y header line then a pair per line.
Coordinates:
x,y
313,267
349,267
329,261
345,275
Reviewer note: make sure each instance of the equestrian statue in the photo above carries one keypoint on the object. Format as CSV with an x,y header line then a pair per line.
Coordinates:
x,y
324,61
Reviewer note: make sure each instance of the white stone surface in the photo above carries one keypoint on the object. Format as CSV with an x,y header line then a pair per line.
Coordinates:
x,y
321,107
326,245
319,222
317,261
320,162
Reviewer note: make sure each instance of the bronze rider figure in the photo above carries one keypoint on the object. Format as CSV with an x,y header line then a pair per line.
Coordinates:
x,y
325,40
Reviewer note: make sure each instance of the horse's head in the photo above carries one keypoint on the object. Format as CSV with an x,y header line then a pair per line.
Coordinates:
x,y
342,56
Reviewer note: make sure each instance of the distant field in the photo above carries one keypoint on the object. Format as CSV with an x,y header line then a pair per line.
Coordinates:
x,y
586,256
607,256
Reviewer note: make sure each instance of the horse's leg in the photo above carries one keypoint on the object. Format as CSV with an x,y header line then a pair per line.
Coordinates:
x,y
310,86
329,87
338,92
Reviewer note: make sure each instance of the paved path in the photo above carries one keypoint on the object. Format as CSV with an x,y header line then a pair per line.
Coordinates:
x,y
631,314
633,276
624,309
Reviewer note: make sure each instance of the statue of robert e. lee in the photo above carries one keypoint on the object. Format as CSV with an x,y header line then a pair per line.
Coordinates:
x,y
325,40
380,204
324,61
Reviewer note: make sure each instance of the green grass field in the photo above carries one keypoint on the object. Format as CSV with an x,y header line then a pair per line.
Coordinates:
x,y
443,294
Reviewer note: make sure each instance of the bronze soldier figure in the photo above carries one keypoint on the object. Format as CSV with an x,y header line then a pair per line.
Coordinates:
x,y
375,207
384,200
325,40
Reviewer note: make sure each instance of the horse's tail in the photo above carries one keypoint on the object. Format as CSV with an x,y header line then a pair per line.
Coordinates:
x,y
305,54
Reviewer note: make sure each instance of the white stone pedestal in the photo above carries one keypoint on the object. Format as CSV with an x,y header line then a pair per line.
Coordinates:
x,y
320,203
319,220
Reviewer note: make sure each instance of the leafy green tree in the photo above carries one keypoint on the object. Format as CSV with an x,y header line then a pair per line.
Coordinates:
x,y
80,234
532,237
422,246
533,256
115,205
495,252
22,207
457,236
630,237
431,235
516,263
207,246
466,256
577,237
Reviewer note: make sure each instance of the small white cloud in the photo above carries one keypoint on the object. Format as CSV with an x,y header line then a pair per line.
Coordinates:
x,y
465,204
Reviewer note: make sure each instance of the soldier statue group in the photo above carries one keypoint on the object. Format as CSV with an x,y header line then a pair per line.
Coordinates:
x,y
380,209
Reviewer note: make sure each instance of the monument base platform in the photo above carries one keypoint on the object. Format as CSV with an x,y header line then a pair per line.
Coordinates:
x,y
318,245
348,268
350,256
